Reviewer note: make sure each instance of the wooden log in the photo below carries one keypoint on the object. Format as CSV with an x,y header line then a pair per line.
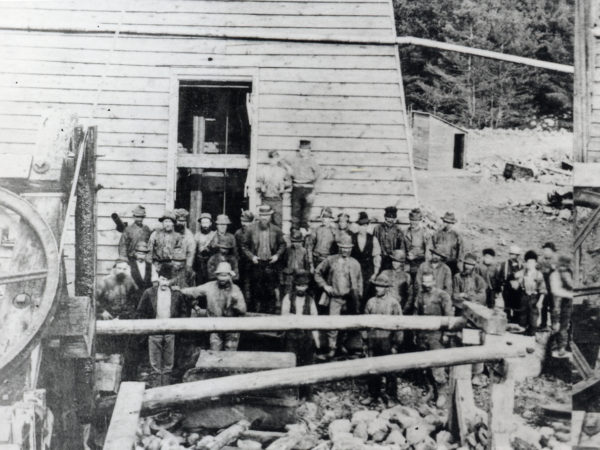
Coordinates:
x,y
458,411
501,414
229,435
74,325
121,432
182,393
489,320
277,323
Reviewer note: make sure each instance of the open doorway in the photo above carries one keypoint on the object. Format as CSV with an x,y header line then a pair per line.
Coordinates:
x,y
459,151
214,127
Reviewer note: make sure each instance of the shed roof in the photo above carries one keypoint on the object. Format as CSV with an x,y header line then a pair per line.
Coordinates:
x,y
433,116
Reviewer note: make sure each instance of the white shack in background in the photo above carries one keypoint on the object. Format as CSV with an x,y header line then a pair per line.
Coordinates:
x,y
203,90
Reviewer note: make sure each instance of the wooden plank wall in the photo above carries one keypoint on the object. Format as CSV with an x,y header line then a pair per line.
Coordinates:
x,y
441,144
346,98
588,56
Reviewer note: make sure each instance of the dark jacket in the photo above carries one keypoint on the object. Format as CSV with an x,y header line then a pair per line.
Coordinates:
x,y
143,280
147,307
251,241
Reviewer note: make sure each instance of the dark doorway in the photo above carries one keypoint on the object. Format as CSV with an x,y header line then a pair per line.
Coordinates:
x,y
213,121
459,151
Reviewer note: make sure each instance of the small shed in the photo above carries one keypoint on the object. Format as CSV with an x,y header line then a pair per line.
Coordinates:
x,y
437,144
190,96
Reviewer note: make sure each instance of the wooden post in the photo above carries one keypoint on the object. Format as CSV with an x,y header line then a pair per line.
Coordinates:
x,y
121,434
277,323
502,403
196,174
583,80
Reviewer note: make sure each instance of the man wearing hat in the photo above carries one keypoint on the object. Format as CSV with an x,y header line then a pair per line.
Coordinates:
x,y
417,242
507,282
222,223
389,235
116,298
272,180
367,251
182,275
468,285
343,227
225,245
223,299
189,243
449,242
161,302
432,301
440,270
340,277
400,282
296,258
321,241
264,246
382,342
163,242
246,219
487,270
142,272
134,233
305,174
204,236
561,284
534,291
302,343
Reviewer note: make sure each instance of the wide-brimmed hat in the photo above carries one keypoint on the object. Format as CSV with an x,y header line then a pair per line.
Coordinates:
x,y
415,214
247,216
344,241
515,250
181,214
470,258
304,143
226,241
564,260
142,247
363,218
427,279
449,217
223,219
438,252
391,212
326,212
382,280
296,236
224,267
398,255
205,215
139,211
166,271
168,214
301,277
265,210
121,259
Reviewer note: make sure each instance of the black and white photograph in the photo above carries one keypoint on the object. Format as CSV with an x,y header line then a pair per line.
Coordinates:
x,y
299,224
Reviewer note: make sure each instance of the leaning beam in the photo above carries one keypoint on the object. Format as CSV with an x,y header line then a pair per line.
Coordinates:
x,y
278,323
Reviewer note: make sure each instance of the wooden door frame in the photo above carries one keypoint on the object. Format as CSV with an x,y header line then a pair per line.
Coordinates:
x,y
223,74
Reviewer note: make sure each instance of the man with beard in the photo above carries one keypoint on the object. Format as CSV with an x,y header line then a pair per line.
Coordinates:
x,y
188,242
244,264
163,242
160,302
134,233
222,224
400,283
321,242
509,272
389,235
203,237
417,243
302,342
432,301
561,284
272,181
225,253
142,272
449,242
468,285
442,274
264,246
116,298
223,299
367,251
340,277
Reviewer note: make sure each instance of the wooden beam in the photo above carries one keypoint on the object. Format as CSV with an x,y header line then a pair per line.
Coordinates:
x,y
502,403
121,434
592,382
277,323
489,320
587,228
213,161
580,362
178,394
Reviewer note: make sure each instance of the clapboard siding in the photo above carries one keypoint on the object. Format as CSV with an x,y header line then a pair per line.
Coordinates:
x,y
346,98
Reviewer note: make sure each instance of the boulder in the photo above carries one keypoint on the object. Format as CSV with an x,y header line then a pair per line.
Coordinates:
x,y
426,444
361,431
444,439
402,415
248,444
396,438
348,442
417,433
339,426
365,415
525,438
378,429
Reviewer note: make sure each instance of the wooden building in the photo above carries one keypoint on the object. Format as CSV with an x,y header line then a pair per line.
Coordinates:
x,y
437,144
202,90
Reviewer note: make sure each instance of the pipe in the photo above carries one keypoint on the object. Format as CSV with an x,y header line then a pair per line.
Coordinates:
x,y
277,323
178,394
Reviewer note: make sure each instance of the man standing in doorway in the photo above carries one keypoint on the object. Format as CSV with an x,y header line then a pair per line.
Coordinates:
x,y
204,236
272,181
134,233
189,243
305,174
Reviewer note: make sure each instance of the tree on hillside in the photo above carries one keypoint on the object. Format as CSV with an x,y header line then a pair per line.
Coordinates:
x,y
478,92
